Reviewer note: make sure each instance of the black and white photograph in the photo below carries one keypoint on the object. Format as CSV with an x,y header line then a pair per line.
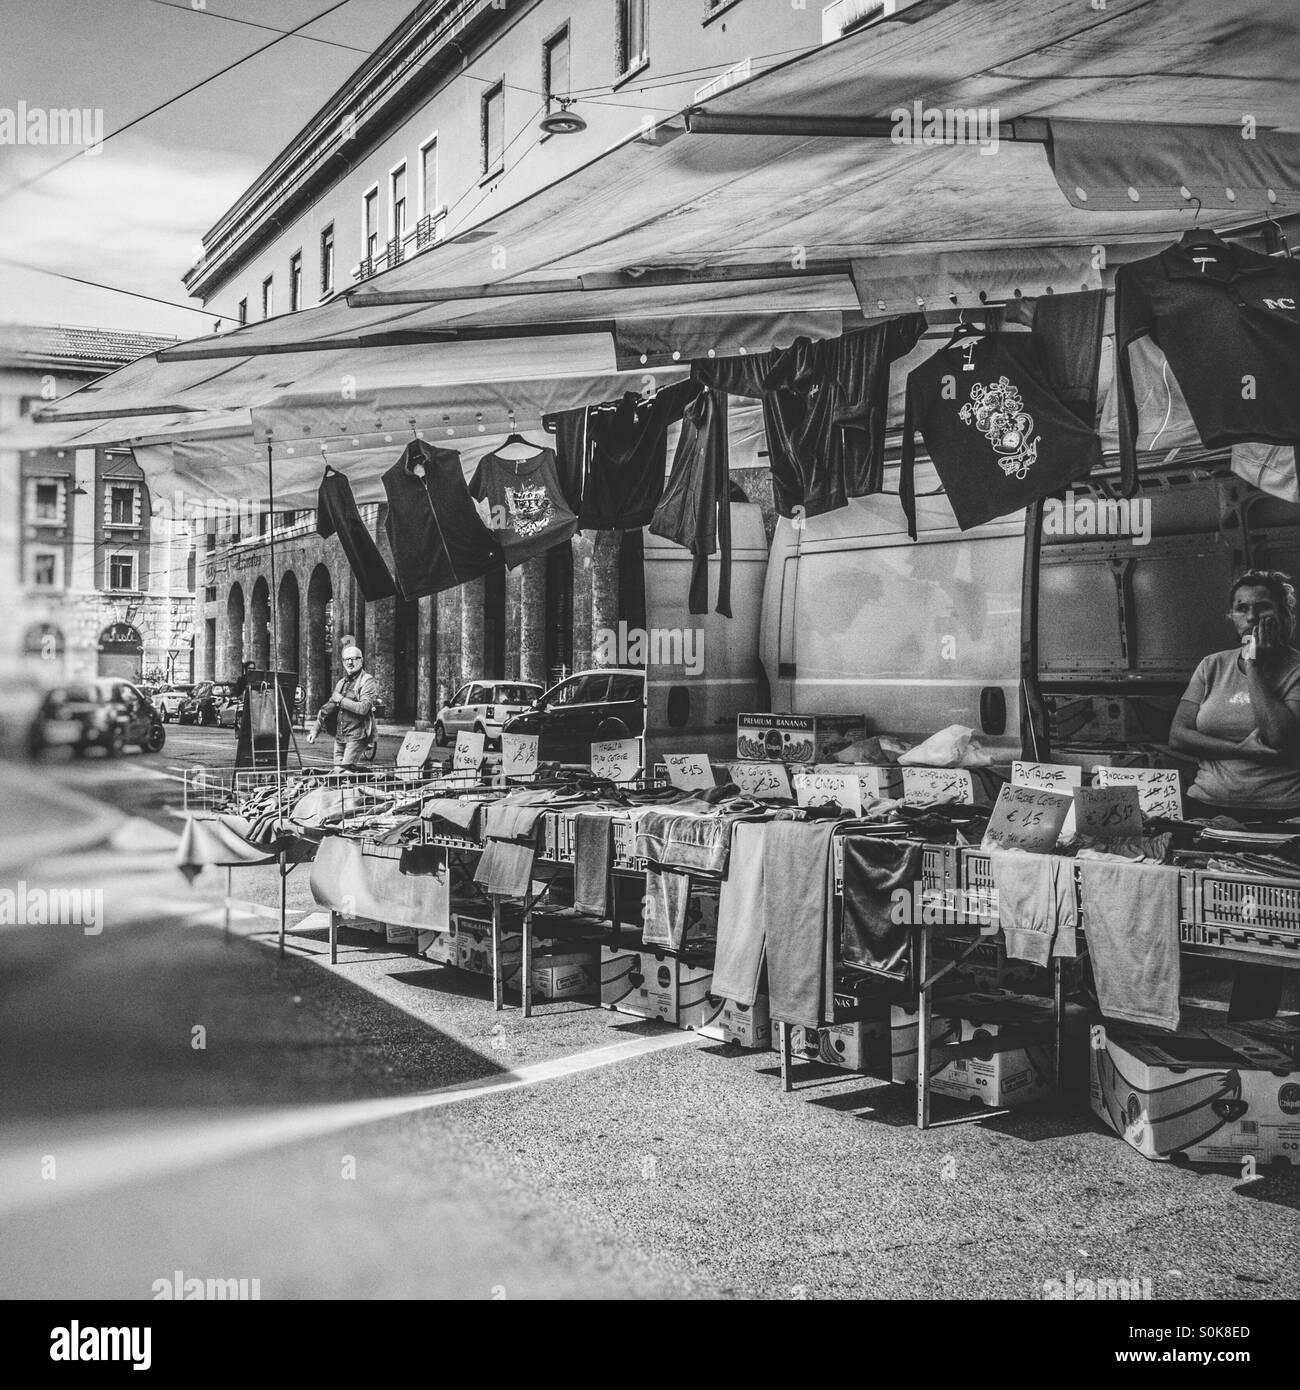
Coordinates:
x,y
649,652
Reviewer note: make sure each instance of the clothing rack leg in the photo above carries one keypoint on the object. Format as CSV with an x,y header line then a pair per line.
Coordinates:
x,y
923,1002
334,937
225,931
284,875
498,985
526,964
1058,1021
783,1035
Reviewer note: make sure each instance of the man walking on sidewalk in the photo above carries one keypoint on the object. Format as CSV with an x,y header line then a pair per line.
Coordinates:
x,y
352,703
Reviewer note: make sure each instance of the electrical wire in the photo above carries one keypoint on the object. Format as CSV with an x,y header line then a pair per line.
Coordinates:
x,y
171,101
253,24
116,289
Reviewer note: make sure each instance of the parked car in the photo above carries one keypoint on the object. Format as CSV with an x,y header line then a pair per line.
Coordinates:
x,y
481,707
590,707
212,702
108,713
170,699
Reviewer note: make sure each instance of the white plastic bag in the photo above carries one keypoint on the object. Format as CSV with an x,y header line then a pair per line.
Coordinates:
x,y
944,749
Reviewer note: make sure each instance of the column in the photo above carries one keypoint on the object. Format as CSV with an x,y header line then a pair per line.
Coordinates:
x,y
532,621
604,584
583,548
514,612
380,647
426,704
448,662
471,631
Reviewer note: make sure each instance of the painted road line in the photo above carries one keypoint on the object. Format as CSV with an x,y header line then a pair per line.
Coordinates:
x,y
43,1165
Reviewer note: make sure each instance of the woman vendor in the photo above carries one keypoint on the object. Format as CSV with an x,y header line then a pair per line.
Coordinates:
x,y
1240,716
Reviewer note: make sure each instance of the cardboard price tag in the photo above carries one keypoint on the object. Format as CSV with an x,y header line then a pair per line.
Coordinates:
x,y
468,756
1053,777
766,781
416,750
1107,813
821,788
1158,791
923,786
619,760
690,772
518,754
1026,818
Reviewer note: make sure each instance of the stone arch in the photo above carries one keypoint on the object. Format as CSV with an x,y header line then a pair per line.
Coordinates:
x,y
259,625
287,611
232,643
320,637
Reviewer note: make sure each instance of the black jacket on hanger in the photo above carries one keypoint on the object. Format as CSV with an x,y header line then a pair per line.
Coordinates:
x,y
434,528
696,506
997,434
1228,321
336,514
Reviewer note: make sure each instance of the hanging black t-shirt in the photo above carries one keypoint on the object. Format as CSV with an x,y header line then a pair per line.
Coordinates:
x,y
336,514
529,514
437,535
1228,321
999,438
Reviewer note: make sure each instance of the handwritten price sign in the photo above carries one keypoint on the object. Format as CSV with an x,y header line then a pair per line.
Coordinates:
x,y
1108,813
416,750
518,754
1027,818
1158,789
468,756
619,760
766,781
690,772
1054,777
822,788
922,786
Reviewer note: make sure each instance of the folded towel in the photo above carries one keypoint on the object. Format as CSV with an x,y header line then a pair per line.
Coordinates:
x,y
1130,919
796,907
742,934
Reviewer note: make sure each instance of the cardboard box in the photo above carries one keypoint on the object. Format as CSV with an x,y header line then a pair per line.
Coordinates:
x,y
879,781
1012,1077
399,935
640,982
804,739
561,972
437,946
1219,1094
857,1046
743,1024
697,1007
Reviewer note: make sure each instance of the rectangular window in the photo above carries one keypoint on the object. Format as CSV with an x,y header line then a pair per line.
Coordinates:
x,y
493,128
121,506
632,52
327,260
268,296
121,571
45,569
46,502
243,311
429,178
370,232
555,68
295,282
399,201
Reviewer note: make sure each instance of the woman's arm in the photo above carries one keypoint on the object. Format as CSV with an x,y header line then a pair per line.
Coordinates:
x,y
1184,737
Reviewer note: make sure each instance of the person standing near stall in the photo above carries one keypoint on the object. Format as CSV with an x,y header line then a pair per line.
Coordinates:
x,y
1240,715
354,699
1240,718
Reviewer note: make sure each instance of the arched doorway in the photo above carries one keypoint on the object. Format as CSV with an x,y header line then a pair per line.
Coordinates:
x,y
259,626
320,637
121,652
232,648
286,617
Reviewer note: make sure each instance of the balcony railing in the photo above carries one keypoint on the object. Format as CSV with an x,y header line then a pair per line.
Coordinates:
x,y
425,233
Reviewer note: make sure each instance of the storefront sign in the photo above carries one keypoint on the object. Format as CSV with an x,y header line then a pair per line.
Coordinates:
x,y
1026,818
1054,777
1158,790
923,786
518,754
690,772
1108,813
468,756
822,788
767,781
619,760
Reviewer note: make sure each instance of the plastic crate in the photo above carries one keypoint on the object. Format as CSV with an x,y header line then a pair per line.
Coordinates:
x,y
938,871
1257,940
1267,904
624,844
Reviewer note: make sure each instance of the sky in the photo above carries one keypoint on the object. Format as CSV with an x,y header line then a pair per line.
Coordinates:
x,y
133,214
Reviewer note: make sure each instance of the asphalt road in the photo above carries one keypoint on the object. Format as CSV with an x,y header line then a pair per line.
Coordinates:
x,y
176,1101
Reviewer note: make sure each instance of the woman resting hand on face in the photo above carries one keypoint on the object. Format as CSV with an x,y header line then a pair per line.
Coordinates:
x,y
1240,716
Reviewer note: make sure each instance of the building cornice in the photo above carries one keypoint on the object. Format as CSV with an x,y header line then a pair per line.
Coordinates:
x,y
426,48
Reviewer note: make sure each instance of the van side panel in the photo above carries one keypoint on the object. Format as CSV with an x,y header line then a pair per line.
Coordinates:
x,y
692,704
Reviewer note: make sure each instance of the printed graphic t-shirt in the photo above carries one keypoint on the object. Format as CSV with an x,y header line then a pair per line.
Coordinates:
x,y
529,513
998,435
1221,691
